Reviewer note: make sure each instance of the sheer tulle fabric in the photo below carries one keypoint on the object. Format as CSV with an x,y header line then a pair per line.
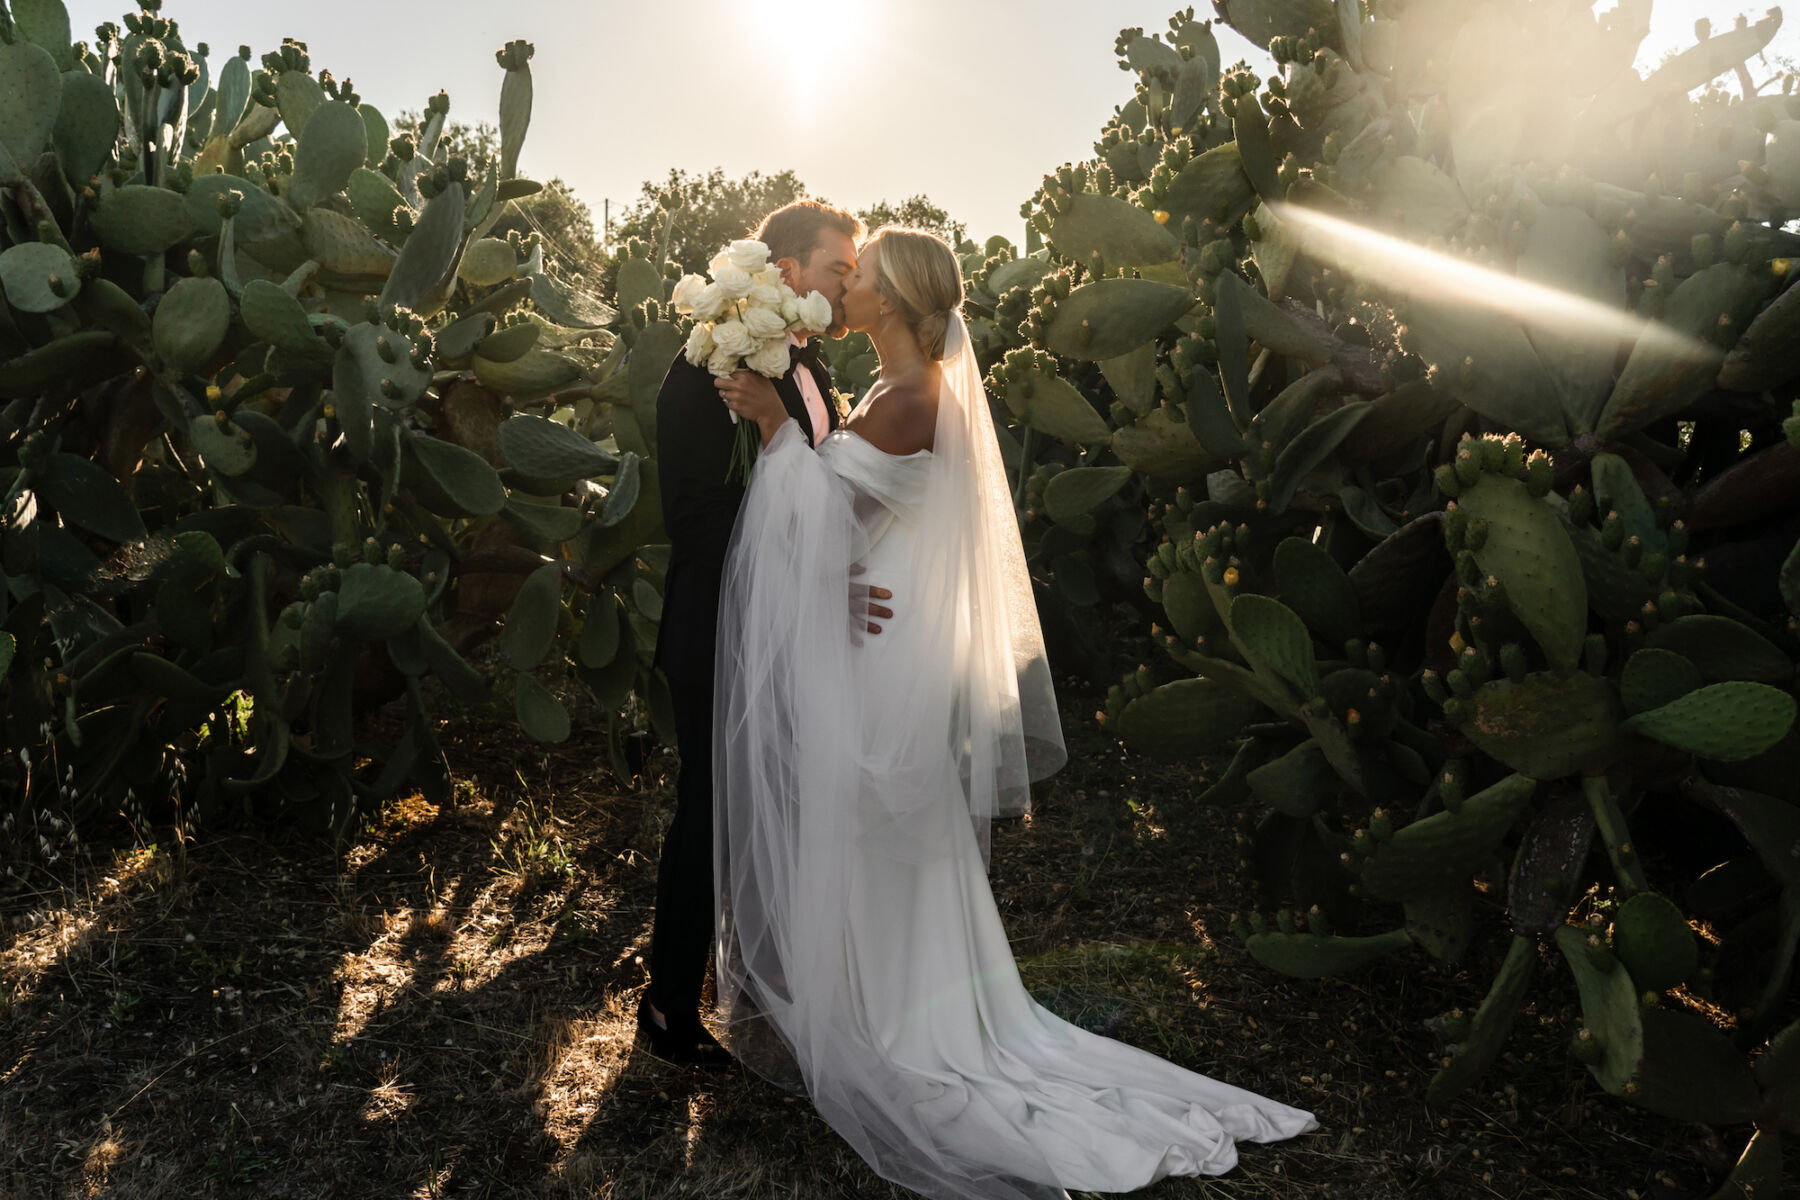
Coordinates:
x,y
860,953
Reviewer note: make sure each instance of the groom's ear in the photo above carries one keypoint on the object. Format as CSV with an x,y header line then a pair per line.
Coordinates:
x,y
788,267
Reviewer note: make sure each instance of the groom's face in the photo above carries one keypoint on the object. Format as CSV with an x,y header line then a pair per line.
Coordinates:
x,y
832,258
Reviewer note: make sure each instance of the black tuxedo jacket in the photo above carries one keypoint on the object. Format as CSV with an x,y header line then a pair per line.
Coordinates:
x,y
694,439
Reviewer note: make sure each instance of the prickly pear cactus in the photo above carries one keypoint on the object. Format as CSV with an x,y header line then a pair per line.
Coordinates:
x,y
285,435
1458,404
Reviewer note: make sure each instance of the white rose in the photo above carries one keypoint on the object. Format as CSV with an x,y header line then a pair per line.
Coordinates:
x,y
686,292
765,323
719,262
772,360
815,312
732,338
790,307
747,254
700,344
764,296
722,363
735,282
770,277
711,303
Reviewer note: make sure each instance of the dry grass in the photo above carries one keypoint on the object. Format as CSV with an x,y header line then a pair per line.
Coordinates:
x,y
446,1010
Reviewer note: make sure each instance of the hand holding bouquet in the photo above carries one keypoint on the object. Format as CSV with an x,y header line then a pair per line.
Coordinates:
x,y
742,318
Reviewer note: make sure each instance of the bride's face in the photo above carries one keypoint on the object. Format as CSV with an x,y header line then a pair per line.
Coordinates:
x,y
862,300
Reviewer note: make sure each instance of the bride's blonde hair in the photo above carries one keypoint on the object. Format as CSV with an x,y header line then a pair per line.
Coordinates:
x,y
919,274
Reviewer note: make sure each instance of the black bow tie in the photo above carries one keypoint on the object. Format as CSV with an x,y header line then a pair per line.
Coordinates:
x,y
807,354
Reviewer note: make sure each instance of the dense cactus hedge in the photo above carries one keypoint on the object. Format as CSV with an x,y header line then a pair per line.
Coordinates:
x,y
284,433
1445,417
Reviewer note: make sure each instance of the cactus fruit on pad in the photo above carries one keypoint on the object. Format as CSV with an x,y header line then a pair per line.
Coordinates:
x,y
1547,725
1653,941
1529,551
1273,638
39,277
1727,721
376,601
1493,1021
1447,847
1110,317
1313,956
1185,718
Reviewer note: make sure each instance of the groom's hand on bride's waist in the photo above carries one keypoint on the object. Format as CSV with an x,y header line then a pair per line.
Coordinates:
x,y
864,612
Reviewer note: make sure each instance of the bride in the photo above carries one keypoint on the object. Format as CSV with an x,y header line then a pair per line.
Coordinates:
x,y
860,952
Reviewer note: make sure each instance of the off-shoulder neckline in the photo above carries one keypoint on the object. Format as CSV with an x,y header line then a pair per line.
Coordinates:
x,y
847,432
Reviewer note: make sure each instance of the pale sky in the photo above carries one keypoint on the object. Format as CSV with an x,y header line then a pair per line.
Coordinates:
x,y
969,101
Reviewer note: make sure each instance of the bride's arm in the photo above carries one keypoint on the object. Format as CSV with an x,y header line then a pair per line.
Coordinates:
x,y
753,397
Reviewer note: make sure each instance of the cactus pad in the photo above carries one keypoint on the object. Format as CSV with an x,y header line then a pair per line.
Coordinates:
x,y
1272,637
1121,233
1446,848
1186,718
375,602
1051,405
1724,649
1653,941
191,322
1296,783
1493,1021
39,277
1609,1006
1110,317
539,712
1728,721
138,219
1078,491
1162,446
1654,677
1529,551
1311,583
1548,725
1314,956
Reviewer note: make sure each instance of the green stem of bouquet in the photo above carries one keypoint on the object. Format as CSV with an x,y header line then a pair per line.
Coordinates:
x,y
743,452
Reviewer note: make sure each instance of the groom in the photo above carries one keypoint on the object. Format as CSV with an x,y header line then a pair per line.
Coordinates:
x,y
814,246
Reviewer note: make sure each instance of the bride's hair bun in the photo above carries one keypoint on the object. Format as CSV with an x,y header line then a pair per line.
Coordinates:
x,y
920,274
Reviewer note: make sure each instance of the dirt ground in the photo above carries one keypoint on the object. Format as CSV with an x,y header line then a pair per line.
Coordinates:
x,y
445,1010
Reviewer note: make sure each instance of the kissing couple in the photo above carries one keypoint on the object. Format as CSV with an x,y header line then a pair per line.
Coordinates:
x,y
838,776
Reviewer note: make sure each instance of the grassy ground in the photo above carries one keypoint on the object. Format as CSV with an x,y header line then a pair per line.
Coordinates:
x,y
446,1010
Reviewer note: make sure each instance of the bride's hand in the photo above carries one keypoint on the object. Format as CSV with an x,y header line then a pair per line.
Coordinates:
x,y
753,397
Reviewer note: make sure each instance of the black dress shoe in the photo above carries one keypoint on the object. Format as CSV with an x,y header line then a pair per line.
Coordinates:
x,y
685,1042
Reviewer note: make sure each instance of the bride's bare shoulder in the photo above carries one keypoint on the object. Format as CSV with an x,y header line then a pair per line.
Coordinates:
x,y
901,418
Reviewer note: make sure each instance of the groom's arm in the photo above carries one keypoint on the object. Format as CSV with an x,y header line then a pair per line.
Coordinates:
x,y
694,438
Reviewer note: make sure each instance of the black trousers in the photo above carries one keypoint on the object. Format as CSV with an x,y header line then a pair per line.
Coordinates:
x,y
681,935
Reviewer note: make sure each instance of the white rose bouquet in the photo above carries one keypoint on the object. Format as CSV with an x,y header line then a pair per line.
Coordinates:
x,y
742,318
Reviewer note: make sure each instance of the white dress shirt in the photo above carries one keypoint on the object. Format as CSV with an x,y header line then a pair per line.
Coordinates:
x,y
809,392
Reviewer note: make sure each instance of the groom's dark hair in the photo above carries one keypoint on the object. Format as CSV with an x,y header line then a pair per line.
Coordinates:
x,y
794,230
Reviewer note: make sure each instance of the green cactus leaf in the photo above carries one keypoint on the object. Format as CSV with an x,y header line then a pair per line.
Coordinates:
x,y
1724,649
1109,317
1567,250
1446,848
546,449
1758,1169
1397,420
1189,606
543,521
638,281
1232,788
228,449
85,494
1162,446
1209,417
375,602
45,23
540,714
1020,272
273,315
1195,80
375,132
374,197
1488,363
1313,956
646,599
1051,405
1547,870
531,622
87,125
1442,923
1082,490
462,475
1310,448
627,486
1185,719
1282,418
1132,378
1212,187
233,96
1262,21
1493,1022
262,221
1529,551
1729,721
1418,199
567,306
1762,359
657,345
515,116
1789,580
1296,783
509,344
1615,591
599,643
464,682
1616,487
1312,583
297,97
428,259
30,93
27,271
1654,942
488,261
1546,726
531,376
1273,638
1121,233
1609,1007
1664,374
1654,677
350,258
138,219
191,322
332,146
1691,1071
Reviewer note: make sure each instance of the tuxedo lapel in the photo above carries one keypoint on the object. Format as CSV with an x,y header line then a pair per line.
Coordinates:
x,y
788,388
822,377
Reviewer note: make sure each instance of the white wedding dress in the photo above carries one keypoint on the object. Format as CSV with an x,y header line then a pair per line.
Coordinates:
x,y
861,954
